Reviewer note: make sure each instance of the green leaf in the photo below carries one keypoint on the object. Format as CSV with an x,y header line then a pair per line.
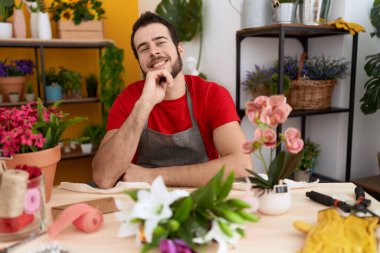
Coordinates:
x,y
182,213
132,194
258,180
229,215
248,216
237,203
241,232
291,164
276,168
226,187
226,229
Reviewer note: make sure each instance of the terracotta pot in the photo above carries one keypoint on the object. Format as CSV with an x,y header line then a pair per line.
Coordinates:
x,y
46,159
19,25
14,84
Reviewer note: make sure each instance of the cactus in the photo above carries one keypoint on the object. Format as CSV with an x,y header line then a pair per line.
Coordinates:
x,y
6,9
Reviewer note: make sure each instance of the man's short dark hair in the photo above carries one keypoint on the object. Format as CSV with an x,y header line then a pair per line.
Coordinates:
x,y
148,18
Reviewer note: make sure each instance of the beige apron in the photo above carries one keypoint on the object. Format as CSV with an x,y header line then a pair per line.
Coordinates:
x,y
161,150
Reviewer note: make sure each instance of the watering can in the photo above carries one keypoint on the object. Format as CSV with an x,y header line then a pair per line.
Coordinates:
x,y
254,13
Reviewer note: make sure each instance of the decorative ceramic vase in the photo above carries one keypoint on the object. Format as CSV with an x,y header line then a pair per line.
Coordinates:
x,y
274,202
14,97
86,148
45,159
285,13
34,25
29,97
19,25
12,84
44,27
6,30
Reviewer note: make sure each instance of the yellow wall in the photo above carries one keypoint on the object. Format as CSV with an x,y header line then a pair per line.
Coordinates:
x,y
120,16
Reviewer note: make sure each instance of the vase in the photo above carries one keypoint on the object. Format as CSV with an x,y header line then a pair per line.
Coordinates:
x,y
274,201
302,175
44,27
12,84
6,30
285,13
19,25
34,25
45,159
314,12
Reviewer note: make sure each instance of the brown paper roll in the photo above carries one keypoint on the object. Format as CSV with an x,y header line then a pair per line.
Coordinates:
x,y
12,192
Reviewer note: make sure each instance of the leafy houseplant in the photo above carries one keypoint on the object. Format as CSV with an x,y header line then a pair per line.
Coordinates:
x,y
6,9
311,152
176,221
70,82
111,68
29,92
78,11
186,17
91,85
371,98
32,127
94,133
266,113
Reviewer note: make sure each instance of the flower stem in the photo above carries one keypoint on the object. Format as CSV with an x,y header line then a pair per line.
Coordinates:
x,y
263,160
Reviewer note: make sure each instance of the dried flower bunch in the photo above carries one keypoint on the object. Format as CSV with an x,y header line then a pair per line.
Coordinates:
x,y
324,68
77,10
32,127
16,68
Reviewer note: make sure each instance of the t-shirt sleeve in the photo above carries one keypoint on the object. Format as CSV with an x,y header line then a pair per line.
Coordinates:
x,y
119,111
221,108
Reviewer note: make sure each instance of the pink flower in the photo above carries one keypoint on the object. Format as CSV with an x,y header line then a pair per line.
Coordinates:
x,y
294,146
277,100
266,136
261,101
250,146
292,133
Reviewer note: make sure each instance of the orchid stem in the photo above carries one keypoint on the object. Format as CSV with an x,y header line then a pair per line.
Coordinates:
x,y
263,160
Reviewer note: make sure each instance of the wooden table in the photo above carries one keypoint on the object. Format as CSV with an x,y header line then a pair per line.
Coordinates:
x,y
370,184
270,234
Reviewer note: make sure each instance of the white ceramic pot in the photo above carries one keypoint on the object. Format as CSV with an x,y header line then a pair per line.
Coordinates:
x,y
274,203
86,148
44,27
34,25
29,97
14,97
6,30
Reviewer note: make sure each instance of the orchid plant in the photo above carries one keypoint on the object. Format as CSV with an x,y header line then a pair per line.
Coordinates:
x,y
176,221
266,113
32,127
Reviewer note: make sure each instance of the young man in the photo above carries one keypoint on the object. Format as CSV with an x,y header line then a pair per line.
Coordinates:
x,y
180,127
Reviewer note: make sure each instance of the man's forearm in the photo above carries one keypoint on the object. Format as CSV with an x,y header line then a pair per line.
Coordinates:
x,y
115,154
193,175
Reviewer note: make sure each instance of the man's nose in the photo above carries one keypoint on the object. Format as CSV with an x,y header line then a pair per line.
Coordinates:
x,y
154,51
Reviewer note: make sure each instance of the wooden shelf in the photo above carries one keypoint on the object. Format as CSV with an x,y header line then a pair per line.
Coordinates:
x,y
64,101
55,43
77,153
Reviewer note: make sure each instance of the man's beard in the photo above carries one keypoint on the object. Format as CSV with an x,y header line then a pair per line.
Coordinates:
x,y
176,67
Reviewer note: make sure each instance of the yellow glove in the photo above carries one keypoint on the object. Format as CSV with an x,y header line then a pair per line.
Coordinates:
x,y
353,28
334,233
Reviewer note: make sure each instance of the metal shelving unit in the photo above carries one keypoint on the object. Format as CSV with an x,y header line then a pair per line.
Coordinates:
x,y
302,33
39,47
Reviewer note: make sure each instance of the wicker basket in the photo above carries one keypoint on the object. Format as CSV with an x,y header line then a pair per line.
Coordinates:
x,y
310,94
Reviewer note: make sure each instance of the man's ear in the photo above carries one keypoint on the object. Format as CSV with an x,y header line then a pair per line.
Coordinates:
x,y
181,49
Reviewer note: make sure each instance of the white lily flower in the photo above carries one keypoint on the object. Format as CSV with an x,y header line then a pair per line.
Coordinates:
x,y
154,205
217,234
127,228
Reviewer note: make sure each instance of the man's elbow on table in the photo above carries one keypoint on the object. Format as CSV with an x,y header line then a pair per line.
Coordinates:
x,y
101,179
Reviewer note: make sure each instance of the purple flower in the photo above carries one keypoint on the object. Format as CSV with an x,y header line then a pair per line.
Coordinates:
x,y
16,68
174,246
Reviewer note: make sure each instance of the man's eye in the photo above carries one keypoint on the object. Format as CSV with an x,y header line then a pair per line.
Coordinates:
x,y
161,42
143,50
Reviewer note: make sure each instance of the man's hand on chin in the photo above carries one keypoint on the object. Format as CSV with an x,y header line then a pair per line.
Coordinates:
x,y
136,173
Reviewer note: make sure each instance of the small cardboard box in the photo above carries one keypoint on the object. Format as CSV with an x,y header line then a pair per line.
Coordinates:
x,y
89,30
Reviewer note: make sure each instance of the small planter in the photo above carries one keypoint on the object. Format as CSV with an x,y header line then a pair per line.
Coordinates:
x,y
275,201
6,30
302,175
285,13
29,97
12,84
85,30
14,97
86,148
53,92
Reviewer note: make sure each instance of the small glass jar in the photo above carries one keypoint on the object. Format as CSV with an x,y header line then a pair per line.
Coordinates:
x,y
32,220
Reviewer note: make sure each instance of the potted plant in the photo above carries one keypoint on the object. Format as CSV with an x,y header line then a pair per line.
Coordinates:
x,y
14,97
284,12
78,19
266,113
264,81
92,85
317,76
71,83
311,151
53,85
111,82
29,92
6,11
12,76
95,134
30,135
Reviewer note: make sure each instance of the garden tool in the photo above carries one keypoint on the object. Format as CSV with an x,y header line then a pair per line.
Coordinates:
x,y
361,204
353,28
334,233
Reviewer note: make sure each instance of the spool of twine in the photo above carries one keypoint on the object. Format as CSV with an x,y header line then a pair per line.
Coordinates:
x,y
12,192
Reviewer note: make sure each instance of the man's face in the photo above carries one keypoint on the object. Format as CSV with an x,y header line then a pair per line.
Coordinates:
x,y
156,50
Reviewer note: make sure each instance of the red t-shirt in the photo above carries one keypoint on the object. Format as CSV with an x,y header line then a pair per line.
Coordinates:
x,y
212,107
